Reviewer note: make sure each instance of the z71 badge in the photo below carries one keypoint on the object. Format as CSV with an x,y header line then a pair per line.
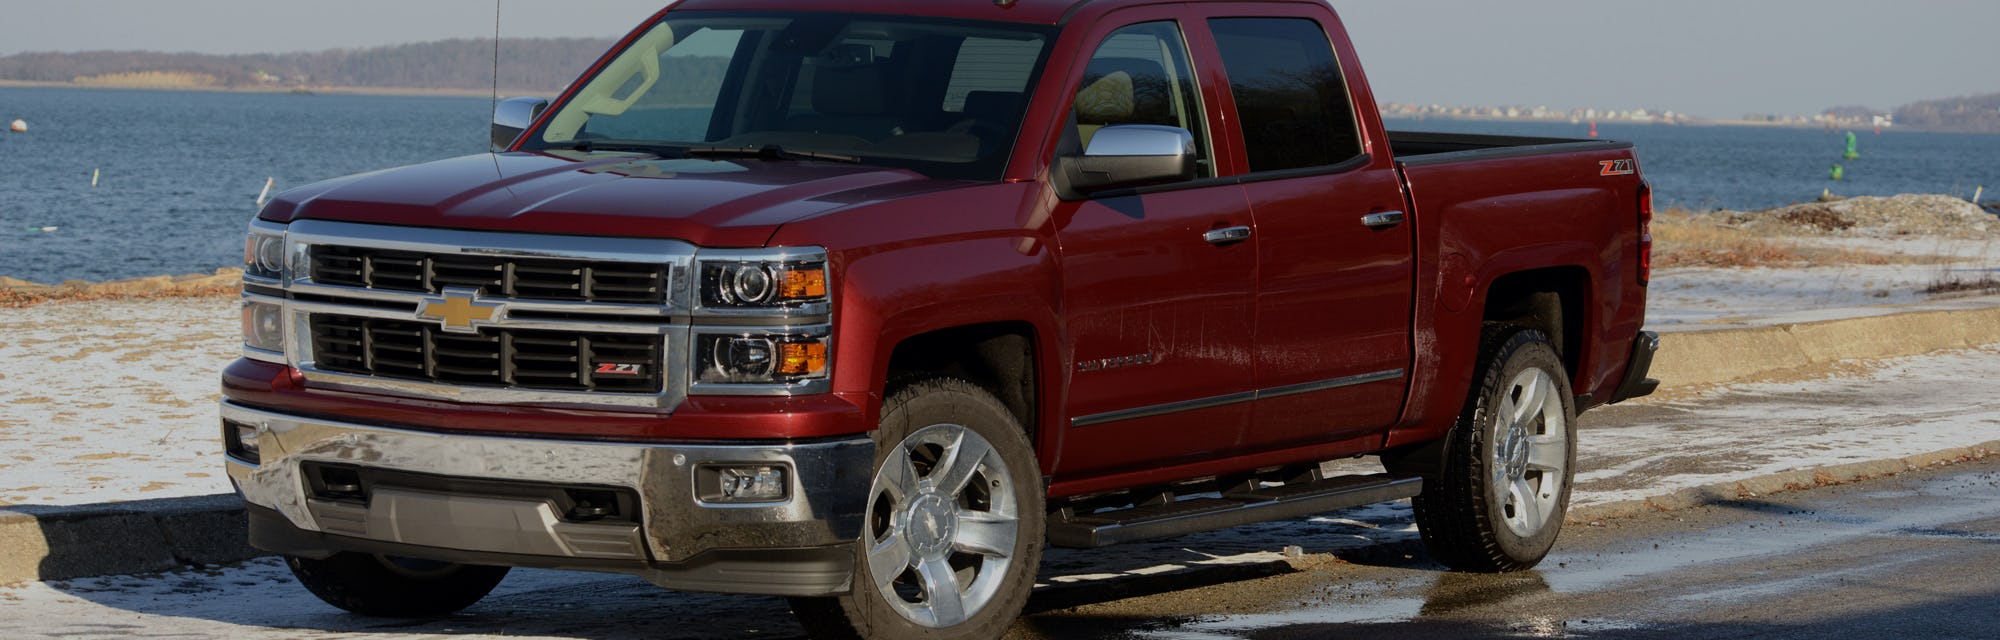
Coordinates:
x,y
617,369
1617,167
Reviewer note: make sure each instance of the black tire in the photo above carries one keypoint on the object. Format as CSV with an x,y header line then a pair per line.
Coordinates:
x,y
1472,514
394,587
993,598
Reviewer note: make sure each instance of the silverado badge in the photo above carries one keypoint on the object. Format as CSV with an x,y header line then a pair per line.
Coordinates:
x,y
459,310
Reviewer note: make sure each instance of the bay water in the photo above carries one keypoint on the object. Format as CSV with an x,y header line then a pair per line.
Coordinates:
x,y
178,173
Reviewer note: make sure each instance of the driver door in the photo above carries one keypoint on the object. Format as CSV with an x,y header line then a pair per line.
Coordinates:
x,y
1160,314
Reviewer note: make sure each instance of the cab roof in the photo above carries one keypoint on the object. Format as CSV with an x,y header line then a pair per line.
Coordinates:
x,y
1029,11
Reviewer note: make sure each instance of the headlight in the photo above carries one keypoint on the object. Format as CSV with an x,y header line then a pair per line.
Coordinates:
x,y
760,358
265,255
263,326
778,280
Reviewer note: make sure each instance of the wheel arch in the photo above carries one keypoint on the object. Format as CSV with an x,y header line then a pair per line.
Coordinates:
x,y
1000,357
1553,300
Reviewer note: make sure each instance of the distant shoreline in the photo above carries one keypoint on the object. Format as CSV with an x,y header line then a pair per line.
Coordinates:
x,y
509,92
283,90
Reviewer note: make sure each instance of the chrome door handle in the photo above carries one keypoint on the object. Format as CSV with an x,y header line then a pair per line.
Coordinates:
x,y
1382,220
1227,235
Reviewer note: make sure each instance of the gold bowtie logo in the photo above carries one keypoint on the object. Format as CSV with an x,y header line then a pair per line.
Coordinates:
x,y
460,310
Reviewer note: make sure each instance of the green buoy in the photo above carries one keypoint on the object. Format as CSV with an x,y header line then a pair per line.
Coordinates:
x,y
1852,151
1839,172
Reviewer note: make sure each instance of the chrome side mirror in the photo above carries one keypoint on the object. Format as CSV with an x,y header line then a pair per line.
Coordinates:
x,y
1130,155
513,116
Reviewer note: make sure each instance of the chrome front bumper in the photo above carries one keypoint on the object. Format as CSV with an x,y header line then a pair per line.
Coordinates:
x,y
460,516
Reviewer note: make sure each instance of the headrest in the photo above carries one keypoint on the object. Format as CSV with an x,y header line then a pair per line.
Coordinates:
x,y
1109,99
1117,87
850,91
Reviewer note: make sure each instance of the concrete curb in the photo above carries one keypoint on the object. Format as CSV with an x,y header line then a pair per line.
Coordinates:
x,y
1695,358
57,543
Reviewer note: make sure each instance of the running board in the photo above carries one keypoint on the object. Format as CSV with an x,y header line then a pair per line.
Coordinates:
x,y
1233,509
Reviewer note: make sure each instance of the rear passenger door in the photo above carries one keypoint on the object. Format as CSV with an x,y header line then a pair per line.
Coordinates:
x,y
1335,263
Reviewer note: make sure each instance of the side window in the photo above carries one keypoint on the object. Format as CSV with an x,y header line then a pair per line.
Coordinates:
x,y
1141,75
1290,97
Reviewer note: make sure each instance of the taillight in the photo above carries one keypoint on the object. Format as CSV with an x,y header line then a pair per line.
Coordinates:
x,y
1645,233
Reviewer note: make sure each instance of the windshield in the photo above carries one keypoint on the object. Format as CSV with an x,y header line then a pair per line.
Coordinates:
x,y
941,97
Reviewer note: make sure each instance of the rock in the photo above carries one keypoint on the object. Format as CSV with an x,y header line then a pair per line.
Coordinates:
x,y
205,282
1876,217
134,286
16,283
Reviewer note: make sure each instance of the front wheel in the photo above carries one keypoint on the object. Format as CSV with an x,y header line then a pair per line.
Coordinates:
x,y
1498,499
954,527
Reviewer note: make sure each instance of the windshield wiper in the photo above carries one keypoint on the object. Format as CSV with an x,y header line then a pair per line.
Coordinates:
x,y
770,152
593,146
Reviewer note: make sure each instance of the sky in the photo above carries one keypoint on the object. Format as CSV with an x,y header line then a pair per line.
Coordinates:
x,y
1713,58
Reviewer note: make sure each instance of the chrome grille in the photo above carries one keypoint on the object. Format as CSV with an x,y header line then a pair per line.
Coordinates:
x,y
537,278
493,357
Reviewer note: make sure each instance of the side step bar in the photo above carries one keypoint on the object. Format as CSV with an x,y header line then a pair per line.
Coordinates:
x,y
1233,509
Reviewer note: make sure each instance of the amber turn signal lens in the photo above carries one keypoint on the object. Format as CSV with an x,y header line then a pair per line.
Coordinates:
x,y
804,283
801,358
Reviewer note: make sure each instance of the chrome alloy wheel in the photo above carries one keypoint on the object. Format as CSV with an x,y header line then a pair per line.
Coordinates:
x,y
1530,451
942,524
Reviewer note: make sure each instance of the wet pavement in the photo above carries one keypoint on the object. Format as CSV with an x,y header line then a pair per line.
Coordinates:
x,y
1916,556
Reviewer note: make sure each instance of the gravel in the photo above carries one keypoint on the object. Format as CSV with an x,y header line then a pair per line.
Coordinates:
x,y
1872,217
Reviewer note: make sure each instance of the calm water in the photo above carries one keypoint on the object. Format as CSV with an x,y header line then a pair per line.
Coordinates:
x,y
180,171
1759,167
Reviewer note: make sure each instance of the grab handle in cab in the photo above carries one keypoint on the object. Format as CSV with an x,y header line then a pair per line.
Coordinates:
x,y
1382,220
1227,235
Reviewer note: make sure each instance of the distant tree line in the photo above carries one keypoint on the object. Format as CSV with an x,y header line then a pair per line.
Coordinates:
x,y
542,64
1972,114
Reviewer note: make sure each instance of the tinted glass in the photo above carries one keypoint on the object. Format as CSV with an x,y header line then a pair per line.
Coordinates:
x,y
942,97
1290,97
1140,75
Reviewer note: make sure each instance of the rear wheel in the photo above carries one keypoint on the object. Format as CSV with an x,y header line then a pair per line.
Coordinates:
x,y
395,587
1496,501
954,526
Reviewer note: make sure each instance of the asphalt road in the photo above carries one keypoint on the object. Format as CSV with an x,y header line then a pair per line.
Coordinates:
x,y
1916,556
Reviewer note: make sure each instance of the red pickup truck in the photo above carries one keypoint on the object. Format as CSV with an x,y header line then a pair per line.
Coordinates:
x,y
867,304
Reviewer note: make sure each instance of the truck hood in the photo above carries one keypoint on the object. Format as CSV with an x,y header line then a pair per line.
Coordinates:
x,y
724,202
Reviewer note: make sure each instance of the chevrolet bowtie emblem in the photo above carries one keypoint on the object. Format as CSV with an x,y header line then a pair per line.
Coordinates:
x,y
460,310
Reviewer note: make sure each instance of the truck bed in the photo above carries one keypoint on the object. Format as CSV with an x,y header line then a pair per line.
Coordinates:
x,y
1415,148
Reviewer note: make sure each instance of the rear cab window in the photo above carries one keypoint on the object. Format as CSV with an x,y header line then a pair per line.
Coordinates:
x,y
1292,101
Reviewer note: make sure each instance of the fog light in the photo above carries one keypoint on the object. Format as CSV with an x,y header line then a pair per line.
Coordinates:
x,y
239,440
752,483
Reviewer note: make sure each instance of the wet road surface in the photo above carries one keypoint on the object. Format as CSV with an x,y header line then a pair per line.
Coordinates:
x,y
1917,556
